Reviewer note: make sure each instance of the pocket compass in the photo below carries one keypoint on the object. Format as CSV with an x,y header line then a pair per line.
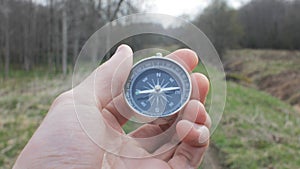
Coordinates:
x,y
157,87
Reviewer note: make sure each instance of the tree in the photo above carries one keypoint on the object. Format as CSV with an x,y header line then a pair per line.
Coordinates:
x,y
220,24
4,7
271,24
51,33
64,38
262,22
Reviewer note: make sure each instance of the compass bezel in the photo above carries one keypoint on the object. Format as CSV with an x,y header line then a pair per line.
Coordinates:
x,y
133,75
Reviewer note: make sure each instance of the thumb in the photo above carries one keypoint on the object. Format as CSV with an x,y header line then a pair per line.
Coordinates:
x,y
112,75
123,53
107,80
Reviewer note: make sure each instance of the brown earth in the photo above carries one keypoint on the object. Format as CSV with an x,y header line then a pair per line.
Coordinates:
x,y
276,72
285,86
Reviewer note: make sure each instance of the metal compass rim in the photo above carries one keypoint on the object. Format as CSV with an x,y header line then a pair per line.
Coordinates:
x,y
158,57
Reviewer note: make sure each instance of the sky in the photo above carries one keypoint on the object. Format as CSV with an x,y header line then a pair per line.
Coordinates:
x,y
176,8
190,8
185,7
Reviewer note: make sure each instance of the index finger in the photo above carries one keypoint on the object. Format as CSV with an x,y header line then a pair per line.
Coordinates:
x,y
186,57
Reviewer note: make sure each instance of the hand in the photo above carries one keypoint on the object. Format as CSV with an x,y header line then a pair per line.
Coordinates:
x,y
61,142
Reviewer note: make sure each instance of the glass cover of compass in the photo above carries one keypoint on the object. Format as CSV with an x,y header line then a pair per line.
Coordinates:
x,y
157,87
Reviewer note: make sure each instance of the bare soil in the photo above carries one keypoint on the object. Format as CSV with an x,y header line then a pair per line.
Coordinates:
x,y
285,86
276,72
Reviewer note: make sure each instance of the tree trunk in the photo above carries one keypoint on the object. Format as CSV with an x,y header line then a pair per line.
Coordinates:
x,y
7,48
57,45
50,37
64,40
32,39
76,35
75,47
25,52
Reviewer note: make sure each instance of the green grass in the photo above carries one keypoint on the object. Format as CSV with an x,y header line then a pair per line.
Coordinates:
x,y
25,100
256,131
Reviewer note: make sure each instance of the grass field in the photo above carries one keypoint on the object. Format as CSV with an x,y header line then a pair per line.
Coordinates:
x,y
25,100
256,131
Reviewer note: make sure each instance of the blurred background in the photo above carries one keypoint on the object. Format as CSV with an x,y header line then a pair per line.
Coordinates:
x,y
258,42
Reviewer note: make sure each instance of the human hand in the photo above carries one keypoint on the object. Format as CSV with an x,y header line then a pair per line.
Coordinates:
x,y
62,142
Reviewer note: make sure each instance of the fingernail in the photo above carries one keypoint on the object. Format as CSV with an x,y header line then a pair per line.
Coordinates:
x,y
119,48
204,134
207,122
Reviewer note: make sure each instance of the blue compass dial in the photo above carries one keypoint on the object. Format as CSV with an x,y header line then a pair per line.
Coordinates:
x,y
157,87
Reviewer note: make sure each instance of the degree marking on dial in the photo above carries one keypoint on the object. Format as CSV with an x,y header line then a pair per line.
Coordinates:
x,y
145,79
156,109
171,80
143,104
158,74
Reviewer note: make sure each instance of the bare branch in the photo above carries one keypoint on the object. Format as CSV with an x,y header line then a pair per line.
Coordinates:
x,y
116,11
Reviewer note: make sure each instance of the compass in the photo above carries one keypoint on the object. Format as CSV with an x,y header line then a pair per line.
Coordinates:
x,y
157,87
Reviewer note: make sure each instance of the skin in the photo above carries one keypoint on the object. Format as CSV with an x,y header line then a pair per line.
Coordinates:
x,y
60,142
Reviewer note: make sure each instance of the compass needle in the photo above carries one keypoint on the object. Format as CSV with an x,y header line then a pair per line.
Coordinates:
x,y
146,91
170,89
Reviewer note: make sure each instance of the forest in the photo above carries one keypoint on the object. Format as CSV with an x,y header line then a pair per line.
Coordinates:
x,y
51,34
